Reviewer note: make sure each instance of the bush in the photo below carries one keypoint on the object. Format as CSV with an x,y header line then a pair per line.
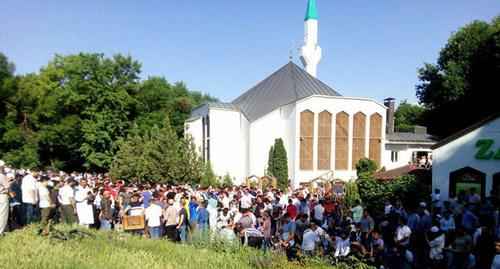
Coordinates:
x,y
351,194
374,192
227,181
365,167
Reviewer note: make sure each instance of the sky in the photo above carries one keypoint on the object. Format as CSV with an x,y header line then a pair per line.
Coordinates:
x,y
371,49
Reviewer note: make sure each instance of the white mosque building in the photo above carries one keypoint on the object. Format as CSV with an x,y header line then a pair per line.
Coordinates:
x,y
323,131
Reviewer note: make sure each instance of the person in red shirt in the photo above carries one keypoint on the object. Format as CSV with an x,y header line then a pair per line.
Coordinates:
x,y
329,209
291,209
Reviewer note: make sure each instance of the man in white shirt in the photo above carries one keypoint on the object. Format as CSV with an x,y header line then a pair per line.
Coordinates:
x,y
311,237
4,199
246,200
319,212
153,217
45,203
67,201
403,233
84,209
29,196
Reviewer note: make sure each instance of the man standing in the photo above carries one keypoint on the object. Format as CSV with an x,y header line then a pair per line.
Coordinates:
x,y
67,201
183,221
106,216
83,194
45,203
367,226
170,217
153,217
357,212
4,200
29,196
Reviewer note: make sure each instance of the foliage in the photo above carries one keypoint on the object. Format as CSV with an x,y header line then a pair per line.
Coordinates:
x,y
277,164
27,249
365,167
227,180
72,114
458,87
158,156
351,194
208,177
375,192
407,116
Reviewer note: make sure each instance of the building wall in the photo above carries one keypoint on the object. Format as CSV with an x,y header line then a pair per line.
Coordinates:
x,y
405,154
195,129
334,105
461,153
228,143
263,132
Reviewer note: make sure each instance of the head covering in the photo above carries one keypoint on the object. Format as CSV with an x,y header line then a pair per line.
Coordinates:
x,y
423,204
434,229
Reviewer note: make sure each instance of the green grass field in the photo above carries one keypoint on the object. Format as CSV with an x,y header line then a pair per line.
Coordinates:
x,y
96,249
28,249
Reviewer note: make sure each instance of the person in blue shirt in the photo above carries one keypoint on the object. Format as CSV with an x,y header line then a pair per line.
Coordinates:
x,y
146,196
468,219
202,217
193,216
288,229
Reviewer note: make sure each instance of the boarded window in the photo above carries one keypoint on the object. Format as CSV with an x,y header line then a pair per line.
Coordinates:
x,y
306,139
324,140
375,138
358,137
341,140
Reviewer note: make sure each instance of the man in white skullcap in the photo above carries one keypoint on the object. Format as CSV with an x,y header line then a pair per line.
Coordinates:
x,y
4,199
84,199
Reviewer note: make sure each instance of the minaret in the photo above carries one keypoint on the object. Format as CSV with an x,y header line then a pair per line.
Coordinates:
x,y
310,52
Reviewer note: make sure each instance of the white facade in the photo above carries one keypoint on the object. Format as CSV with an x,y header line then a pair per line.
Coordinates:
x,y
463,152
240,148
400,154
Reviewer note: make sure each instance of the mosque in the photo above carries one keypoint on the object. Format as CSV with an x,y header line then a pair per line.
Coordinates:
x,y
324,132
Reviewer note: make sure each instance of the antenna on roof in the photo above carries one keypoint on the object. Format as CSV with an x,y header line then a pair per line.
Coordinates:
x,y
291,53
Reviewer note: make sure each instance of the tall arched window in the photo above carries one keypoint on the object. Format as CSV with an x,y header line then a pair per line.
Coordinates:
x,y
358,137
306,139
324,140
341,140
375,149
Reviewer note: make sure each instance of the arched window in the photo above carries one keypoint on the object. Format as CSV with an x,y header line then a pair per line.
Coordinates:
x,y
306,139
324,140
358,137
341,140
375,149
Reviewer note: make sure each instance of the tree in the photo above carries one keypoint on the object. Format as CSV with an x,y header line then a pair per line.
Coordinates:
x,y
127,163
208,177
407,116
365,167
458,88
73,114
278,163
227,180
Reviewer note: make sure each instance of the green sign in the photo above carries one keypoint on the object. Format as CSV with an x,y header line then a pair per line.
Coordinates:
x,y
485,151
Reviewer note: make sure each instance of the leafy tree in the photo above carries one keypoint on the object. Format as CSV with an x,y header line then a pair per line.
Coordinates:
x,y
365,167
458,88
127,163
407,116
227,180
191,161
278,163
208,177
351,194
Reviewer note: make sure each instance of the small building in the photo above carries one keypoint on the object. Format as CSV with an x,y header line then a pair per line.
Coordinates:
x,y
469,159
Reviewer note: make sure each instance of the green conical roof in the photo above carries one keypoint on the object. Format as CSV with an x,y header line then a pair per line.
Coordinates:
x,y
312,12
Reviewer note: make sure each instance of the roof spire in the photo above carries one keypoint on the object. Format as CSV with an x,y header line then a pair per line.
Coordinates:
x,y
312,12
291,53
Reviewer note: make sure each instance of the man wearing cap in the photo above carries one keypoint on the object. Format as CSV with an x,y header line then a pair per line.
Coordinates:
x,y
84,210
67,201
29,196
45,202
4,199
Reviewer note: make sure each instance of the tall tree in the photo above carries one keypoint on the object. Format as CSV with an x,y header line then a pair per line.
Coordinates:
x,y
458,89
208,177
278,163
408,115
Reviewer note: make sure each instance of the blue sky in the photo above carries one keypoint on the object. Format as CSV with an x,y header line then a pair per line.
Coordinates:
x,y
370,48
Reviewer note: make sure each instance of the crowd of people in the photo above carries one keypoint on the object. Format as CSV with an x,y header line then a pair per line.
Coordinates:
x,y
457,232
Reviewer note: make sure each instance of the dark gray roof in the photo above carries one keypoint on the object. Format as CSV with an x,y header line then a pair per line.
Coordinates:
x,y
289,84
221,105
410,137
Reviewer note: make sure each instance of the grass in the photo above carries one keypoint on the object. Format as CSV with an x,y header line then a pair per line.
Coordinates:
x,y
85,248
28,249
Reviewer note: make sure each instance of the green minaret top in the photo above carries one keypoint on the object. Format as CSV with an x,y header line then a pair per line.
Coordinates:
x,y
312,12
